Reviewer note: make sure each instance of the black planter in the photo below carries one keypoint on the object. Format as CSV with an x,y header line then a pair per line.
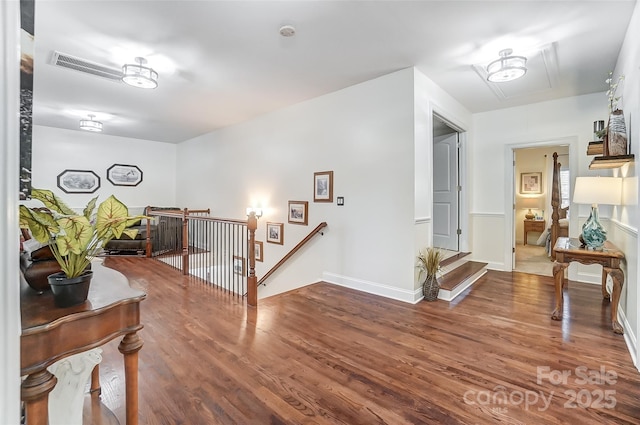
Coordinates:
x,y
69,292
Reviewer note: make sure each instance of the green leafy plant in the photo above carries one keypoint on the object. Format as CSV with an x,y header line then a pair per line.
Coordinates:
x,y
76,239
428,261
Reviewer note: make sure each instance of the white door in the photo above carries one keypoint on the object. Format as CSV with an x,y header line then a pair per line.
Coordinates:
x,y
445,192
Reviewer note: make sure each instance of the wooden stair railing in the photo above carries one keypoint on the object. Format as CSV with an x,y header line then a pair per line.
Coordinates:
x,y
290,254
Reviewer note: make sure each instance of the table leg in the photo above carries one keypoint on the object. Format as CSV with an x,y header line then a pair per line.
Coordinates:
x,y
605,294
129,347
558,277
35,394
617,276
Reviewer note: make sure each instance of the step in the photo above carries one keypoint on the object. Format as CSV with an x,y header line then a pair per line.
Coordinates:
x,y
452,259
457,280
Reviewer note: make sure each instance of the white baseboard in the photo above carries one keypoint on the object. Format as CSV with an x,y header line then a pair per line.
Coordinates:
x,y
375,288
629,338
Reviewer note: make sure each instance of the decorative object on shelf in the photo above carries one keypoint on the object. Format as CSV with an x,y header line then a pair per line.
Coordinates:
x,y
91,124
599,130
298,212
507,68
75,239
530,183
78,181
596,148
124,175
428,265
617,137
138,75
323,186
275,233
594,191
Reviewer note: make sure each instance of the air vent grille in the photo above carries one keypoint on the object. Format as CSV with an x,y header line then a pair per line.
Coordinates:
x,y
78,64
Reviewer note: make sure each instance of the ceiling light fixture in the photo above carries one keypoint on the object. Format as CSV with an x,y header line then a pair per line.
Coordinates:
x,y
287,31
137,75
507,68
91,124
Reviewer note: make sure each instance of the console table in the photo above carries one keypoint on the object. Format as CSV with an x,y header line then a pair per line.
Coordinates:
x,y
50,334
568,250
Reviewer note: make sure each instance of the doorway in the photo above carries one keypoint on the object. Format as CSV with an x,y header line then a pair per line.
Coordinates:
x,y
446,185
532,208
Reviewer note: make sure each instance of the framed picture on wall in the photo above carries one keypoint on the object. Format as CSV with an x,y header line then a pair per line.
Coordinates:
x,y
258,251
238,265
530,183
323,186
298,212
124,175
78,181
275,233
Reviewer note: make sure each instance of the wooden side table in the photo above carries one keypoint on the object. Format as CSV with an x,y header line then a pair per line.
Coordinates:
x,y
50,333
568,250
533,226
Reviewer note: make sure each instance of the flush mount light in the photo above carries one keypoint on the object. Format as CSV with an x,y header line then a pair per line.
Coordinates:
x,y
91,124
137,75
507,68
287,31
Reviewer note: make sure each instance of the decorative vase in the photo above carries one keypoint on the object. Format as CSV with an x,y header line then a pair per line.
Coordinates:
x,y
68,292
617,137
593,234
430,288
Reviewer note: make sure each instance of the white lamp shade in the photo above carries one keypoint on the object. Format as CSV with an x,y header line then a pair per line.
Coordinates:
x,y
598,190
530,202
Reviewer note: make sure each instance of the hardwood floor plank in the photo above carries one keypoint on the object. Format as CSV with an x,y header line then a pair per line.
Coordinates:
x,y
324,354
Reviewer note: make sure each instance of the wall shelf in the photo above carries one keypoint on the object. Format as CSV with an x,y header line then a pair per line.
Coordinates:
x,y
603,162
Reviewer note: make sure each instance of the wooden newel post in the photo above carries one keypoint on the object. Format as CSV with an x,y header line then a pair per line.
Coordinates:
x,y
185,242
252,281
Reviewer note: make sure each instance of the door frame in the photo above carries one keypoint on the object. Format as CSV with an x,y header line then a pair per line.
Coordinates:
x,y
463,216
510,192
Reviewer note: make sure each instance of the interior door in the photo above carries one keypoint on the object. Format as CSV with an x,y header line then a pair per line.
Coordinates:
x,y
446,194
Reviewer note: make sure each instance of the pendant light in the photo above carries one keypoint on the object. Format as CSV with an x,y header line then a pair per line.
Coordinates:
x,y
507,68
138,75
91,124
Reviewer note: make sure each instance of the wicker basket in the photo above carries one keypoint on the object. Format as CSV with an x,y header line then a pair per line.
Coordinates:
x,y
430,288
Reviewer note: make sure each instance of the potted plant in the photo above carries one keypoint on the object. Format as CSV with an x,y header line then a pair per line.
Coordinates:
x,y
75,239
428,265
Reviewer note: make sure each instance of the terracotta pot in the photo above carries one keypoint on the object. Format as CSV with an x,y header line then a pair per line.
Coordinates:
x,y
68,292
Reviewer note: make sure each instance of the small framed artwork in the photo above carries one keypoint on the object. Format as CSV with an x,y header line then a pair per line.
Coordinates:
x,y
238,265
323,186
124,175
531,183
298,212
258,251
78,181
275,233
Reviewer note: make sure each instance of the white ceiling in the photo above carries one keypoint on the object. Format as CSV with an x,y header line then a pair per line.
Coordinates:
x,y
224,62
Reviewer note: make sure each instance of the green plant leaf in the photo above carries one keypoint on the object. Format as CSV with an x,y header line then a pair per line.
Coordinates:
x,y
41,224
77,235
112,218
88,210
51,201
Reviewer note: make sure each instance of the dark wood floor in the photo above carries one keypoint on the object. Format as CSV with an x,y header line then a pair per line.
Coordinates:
x,y
329,355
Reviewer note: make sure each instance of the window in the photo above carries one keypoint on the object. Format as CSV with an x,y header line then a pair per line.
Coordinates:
x,y
565,188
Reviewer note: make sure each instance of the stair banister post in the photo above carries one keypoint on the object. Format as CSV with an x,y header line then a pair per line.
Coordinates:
x,y
252,281
185,242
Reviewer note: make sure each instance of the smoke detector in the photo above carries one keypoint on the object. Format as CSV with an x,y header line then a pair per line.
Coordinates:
x,y
287,31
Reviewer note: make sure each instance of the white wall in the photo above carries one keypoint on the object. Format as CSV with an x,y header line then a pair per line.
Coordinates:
x,y
9,273
55,150
625,218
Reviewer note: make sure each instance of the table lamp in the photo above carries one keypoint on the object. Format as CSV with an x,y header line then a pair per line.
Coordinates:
x,y
594,191
529,204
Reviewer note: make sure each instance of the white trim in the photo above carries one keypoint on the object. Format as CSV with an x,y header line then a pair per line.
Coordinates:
x,y
9,158
630,230
487,214
374,288
422,220
629,338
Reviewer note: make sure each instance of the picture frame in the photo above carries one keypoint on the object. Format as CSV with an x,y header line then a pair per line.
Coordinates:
x,y
78,181
275,233
530,183
298,212
238,265
258,250
323,186
124,175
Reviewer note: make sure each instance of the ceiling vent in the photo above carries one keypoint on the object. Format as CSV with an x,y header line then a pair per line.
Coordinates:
x,y
82,65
